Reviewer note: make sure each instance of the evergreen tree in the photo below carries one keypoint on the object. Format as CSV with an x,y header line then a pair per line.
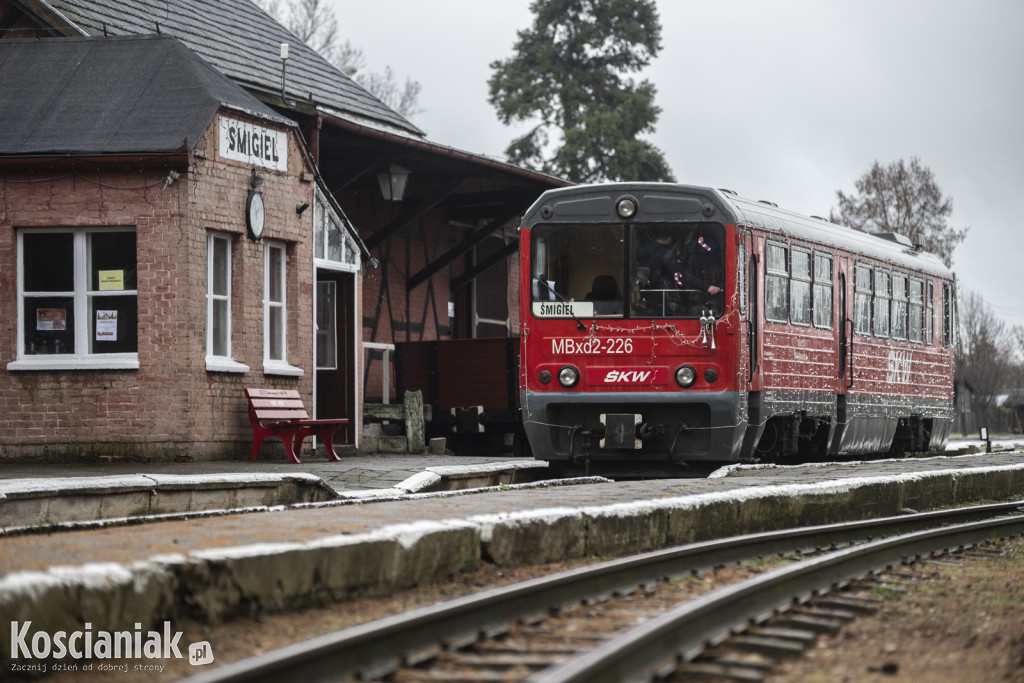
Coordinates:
x,y
570,77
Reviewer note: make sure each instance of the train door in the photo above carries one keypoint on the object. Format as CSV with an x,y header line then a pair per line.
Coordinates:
x,y
844,369
755,400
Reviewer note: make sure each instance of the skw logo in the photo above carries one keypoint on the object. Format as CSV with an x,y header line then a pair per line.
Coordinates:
x,y
627,376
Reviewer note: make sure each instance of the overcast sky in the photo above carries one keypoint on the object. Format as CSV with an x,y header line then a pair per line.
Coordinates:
x,y
787,101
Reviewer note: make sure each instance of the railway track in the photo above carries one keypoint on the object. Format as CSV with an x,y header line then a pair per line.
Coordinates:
x,y
621,620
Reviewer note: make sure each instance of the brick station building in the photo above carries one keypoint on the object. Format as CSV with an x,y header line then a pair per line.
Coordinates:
x,y
159,234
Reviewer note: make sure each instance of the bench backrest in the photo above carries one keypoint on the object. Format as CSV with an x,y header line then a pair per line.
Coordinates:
x,y
275,404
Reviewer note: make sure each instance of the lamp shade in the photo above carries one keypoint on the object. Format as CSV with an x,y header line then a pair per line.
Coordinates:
x,y
392,182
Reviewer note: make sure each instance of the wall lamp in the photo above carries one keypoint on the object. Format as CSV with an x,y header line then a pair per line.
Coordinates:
x,y
299,208
255,180
392,182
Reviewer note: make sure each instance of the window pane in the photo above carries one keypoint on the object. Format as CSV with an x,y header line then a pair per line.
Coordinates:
x,y
801,264
49,325
862,300
114,324
899,307
823,306
822,268
822,291
326,331
112,253
334,241
276,324
881,303
775,258
318,228
776,297
800,312
220,327
274,264
221,266
583,264
881,316
49,260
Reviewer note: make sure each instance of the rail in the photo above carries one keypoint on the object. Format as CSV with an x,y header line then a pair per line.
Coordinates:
x,y
376,648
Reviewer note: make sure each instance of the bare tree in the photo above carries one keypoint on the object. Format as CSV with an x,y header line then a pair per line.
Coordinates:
x,y
988,361
314,23
902,198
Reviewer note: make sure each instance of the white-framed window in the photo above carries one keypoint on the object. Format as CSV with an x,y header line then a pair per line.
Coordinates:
x,y
218,304
333,246
800,287
77,299
776,283
275,310
822,291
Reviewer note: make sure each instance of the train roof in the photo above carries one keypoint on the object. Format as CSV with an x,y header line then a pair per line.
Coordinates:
x,y
891,248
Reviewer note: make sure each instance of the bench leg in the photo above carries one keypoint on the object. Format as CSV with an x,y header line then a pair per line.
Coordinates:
x,y
254,453
327,436
292,439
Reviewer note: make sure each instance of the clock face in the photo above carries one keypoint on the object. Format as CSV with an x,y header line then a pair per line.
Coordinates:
x,y
255,214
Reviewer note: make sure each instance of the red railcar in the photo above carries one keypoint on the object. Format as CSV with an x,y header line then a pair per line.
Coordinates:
x,y
664,325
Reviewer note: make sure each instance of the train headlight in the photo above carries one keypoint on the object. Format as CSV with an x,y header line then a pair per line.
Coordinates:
x,y
626,207
686,375
545,377
568,376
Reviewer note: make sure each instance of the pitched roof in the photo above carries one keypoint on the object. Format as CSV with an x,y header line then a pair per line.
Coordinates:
x,y
92,96
238,38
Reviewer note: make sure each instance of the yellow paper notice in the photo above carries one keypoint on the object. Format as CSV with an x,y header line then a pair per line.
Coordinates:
x,y
111,280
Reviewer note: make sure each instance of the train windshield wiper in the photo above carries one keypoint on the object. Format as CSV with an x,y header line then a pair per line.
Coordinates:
x,y
543,283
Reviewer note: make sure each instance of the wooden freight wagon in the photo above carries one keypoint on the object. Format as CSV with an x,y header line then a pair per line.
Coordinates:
x,y
472,388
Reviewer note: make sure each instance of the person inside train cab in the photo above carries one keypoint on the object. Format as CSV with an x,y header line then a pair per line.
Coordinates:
x,y
664,271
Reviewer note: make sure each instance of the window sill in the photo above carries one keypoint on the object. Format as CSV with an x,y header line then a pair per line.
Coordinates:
x,y
44,363
282,368
222,364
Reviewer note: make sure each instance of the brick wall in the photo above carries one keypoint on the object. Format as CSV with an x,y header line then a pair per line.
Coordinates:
x,y
171,406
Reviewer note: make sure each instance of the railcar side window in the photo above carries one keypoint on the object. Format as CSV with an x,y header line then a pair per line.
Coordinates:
x,y
915,329
899,306
947,315
823,291
882,296
800,288
929,316
776,284
862,299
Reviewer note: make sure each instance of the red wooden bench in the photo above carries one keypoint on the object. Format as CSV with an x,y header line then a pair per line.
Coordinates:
x,y
280,413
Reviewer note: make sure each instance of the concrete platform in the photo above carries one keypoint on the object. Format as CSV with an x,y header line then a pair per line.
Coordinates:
x,y
376,541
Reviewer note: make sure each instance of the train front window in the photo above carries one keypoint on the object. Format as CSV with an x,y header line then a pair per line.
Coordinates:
x,y
676,270
669,270
580,265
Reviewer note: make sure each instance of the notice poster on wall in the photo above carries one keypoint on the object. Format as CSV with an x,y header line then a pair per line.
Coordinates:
x,y
106,325
52,319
